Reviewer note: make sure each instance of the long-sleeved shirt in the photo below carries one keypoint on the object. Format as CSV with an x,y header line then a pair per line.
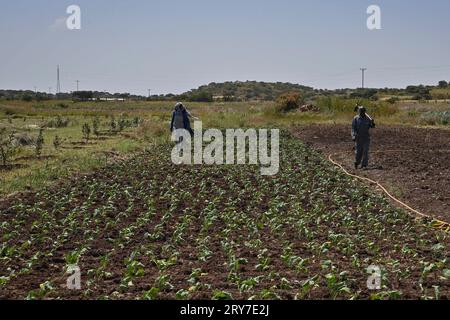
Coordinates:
x,y
180,120
361,126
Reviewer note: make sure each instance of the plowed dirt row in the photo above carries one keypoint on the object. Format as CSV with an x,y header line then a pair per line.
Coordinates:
x,y
148,229
413,163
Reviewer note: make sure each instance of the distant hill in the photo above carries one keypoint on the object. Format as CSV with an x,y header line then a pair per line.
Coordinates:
x,y
251,91
243,91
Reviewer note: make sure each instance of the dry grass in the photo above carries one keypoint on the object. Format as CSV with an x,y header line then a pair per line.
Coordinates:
x,y
27,117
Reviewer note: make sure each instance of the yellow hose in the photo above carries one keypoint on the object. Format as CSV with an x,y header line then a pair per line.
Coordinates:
x,y
438,224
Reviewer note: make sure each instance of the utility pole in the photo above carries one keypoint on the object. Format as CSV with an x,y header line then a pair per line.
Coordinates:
x,y
78,85
149,92
49,90
58,83
363,70
35,90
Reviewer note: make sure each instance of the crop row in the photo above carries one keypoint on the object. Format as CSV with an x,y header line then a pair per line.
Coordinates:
x,y
148,229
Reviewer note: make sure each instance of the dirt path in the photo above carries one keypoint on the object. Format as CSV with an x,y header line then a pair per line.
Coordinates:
x,y
412,163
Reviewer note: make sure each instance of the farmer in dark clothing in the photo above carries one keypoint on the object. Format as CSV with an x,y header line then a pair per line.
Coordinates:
x,y
180,118
361,126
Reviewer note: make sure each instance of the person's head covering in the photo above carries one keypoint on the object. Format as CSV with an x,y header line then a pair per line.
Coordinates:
x,y
179,106
362,111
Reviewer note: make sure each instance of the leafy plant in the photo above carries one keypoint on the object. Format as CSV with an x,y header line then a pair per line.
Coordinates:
x,y
86,130
8,146
221,295
39,143
112,125
57,142
151,294
96,126
289,101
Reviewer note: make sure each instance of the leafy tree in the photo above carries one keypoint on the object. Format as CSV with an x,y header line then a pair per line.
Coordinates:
x,y
365,94
82,95
201,96
124,96
289,101
443,84
27,98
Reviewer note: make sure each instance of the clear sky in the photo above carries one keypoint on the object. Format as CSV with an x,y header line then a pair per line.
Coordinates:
x,y
176,45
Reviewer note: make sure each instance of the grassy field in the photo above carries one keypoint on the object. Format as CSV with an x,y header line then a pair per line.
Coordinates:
x,y
140,227
148,124
441,93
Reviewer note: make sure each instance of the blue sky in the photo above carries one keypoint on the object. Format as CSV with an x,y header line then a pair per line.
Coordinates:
x,y
175,45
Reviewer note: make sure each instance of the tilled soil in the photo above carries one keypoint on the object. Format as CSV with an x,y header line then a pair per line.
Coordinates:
x,y
412,163
144,228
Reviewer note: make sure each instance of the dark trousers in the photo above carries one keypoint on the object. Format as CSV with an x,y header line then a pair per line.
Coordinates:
x,y
362,152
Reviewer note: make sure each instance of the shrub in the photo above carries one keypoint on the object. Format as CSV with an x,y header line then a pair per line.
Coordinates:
x,y
82,95
95,126
86,132
289,101
24,139
443,84
424,96
137,121
39,143
365,94
62,105
8,146
59,122
435,118
393,100
8,111
122,124
112,124
56,142
202,96
27,98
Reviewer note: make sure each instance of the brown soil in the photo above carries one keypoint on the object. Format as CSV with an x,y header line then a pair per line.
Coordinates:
x,y
104,213
412,163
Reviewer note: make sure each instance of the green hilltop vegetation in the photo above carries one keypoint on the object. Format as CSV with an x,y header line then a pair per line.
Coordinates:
x,y
239,91
244,91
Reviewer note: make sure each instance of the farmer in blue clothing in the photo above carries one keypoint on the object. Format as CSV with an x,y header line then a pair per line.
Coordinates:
x,y
361,126
180,120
